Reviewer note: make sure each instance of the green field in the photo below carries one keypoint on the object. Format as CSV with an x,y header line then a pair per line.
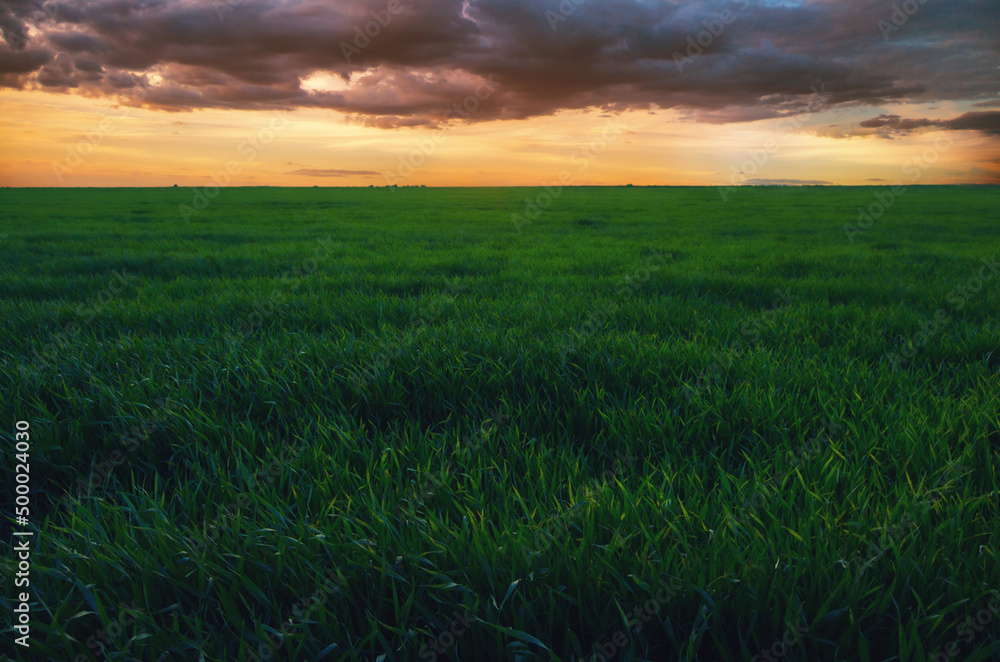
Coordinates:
x,y
648,424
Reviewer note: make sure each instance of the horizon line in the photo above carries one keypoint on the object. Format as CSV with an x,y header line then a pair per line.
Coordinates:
x,y
384,186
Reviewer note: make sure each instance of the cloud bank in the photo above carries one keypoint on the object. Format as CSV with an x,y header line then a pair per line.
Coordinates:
x,y
392,63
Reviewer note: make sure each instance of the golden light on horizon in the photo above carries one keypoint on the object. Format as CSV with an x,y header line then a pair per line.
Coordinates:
x,y
69,140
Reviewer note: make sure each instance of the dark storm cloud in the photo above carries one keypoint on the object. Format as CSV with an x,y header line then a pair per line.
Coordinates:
x,y
890,126
895,122
985,121
17,67
716,60
12,24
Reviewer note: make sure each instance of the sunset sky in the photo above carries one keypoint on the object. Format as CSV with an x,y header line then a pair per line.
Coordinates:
x,y
498,92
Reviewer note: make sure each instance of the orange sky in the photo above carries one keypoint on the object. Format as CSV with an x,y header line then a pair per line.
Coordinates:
x,y
362,92
69,140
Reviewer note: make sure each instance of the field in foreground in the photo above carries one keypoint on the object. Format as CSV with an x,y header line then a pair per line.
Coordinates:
x,y
649,424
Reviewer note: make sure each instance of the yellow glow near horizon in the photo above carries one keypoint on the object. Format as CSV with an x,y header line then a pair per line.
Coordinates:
x,y
70,140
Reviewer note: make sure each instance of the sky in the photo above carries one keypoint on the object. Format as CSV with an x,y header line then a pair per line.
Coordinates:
x,y
499,92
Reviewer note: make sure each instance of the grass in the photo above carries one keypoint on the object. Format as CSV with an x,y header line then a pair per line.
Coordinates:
x,y
649,425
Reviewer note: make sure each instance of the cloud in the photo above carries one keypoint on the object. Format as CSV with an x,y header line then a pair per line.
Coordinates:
x,y
12,24
985,121
331,172
894,123
18,67
891,126
611,55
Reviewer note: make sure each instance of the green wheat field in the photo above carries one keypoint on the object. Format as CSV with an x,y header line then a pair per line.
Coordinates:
x,y
447,424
